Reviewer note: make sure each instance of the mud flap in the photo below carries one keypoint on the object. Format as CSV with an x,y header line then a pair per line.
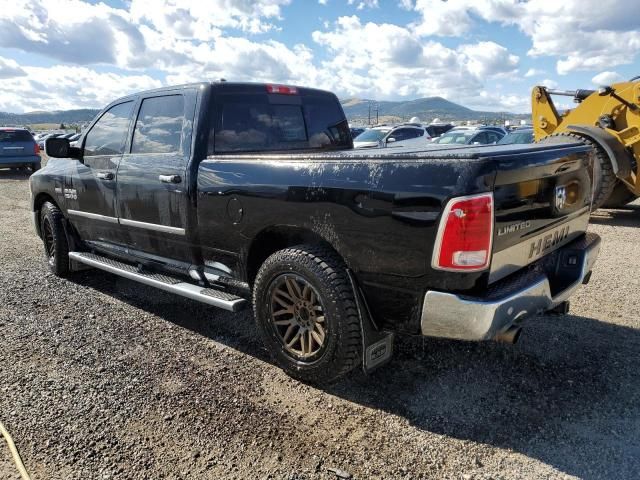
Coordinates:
x,y
377,345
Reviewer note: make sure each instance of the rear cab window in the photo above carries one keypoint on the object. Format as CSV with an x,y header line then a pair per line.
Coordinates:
x,y
159,125
254,120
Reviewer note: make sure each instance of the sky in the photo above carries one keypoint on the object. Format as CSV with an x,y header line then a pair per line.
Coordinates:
x,y
483,54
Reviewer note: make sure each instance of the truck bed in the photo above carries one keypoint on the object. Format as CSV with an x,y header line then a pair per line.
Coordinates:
x,y
380,209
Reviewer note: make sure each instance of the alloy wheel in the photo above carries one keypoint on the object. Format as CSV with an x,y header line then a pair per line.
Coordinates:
x,y
297,316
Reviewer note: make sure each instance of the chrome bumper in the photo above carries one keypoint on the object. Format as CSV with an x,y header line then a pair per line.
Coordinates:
x,y
514,299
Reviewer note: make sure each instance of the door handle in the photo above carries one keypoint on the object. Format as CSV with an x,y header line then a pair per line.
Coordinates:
x,y
170,178
105,175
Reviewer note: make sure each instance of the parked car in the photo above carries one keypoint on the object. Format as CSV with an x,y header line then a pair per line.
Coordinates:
x,y
404,135
355,131
249,194
437,129
518,136
501,130
18,149
469,136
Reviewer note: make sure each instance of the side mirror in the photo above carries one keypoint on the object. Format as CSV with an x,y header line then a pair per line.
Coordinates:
x,y
60,148
57,147
391,140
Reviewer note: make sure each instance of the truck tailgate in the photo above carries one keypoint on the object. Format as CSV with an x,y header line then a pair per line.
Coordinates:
x,y
542,202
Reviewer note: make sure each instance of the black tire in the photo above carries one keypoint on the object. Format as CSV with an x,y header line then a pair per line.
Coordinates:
x,y
35,167
324,272
54,238
602,168
620,196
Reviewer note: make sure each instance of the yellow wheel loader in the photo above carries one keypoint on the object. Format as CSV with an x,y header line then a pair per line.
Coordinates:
x,y
607,119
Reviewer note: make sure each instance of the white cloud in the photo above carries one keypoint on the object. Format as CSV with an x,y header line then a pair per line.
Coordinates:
x,y
406,4
64,87
79,32
362,4
606,78
9,69
585,34
533,72
488,58
189,40
547,82
392,61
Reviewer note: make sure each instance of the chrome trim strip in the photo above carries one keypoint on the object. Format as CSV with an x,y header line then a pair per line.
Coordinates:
x,y
513,258
451,316
92,216
184,289
152,226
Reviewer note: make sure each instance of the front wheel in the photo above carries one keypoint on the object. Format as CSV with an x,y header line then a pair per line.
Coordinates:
x,y
306,313
54,238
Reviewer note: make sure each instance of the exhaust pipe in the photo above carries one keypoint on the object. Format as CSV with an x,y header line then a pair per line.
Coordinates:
x,y
510,335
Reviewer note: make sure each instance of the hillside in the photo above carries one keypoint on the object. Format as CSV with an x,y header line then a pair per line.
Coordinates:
x,y
55,117
427,109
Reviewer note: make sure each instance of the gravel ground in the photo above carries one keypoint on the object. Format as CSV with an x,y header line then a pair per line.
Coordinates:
x,y
104,378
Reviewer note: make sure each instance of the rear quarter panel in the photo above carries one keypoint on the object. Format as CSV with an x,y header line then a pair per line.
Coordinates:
x,y
380,215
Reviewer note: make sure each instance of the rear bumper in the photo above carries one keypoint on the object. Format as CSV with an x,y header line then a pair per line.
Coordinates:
x,y
538,288
6,162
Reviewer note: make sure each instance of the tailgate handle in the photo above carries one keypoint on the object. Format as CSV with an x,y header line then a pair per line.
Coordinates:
x,y
170,178
105,175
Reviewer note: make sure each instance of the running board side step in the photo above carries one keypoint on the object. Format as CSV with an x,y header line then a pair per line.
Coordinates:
x,y
210,296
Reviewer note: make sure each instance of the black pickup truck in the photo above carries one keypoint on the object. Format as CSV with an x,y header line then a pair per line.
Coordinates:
x,y
234,194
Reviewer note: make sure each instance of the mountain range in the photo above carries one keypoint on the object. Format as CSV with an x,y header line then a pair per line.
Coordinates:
x,y
357,111
426,109
61,116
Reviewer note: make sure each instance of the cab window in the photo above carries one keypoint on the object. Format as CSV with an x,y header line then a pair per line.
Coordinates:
x,y
109,134
159,125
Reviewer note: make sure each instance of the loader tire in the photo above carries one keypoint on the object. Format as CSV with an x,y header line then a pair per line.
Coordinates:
x,y
620,196
602,169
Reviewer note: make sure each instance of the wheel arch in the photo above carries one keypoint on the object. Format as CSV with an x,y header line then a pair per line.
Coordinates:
x,y
272,239
39,200
620,159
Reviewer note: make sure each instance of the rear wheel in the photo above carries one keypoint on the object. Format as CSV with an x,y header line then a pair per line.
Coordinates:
x,y
306,313
35,167
54,238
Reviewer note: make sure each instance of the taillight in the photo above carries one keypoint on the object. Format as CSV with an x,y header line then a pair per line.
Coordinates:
x,y
282,89
36,148
465,234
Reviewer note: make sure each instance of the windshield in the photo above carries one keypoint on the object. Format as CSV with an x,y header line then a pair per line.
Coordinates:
x,y
459,137
518,137
373,135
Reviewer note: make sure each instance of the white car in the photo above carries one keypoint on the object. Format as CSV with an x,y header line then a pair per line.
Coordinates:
x,y
405,135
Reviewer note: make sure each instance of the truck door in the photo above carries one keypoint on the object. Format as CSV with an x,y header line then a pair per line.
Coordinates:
x,y
152,191
89,190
